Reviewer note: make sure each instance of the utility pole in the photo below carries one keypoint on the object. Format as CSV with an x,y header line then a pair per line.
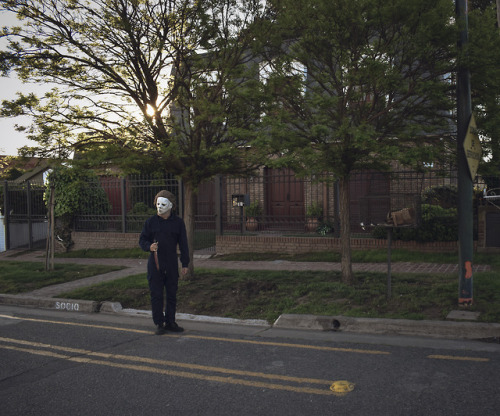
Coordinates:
x,y
465,217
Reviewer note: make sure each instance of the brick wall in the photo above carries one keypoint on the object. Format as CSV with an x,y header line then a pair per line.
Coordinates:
x,y
227,244
89,240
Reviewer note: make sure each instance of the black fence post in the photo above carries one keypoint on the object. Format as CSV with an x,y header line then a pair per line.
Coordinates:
x,y
180,199
6,207
123,194
218,205
336,212
29,214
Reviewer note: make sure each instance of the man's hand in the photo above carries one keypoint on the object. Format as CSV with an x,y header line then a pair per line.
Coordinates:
x,y
153,247
185,271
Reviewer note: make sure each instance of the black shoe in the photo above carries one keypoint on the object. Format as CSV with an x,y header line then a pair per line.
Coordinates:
x,y
159,330
173,327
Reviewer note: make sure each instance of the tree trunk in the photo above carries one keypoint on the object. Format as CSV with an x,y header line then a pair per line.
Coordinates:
x,y
345,232
188,216
498,13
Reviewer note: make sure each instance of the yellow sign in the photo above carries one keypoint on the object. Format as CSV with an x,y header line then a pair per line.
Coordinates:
x,y
472,147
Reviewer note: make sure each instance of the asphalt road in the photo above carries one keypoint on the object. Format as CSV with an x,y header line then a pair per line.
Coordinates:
x,y
66,363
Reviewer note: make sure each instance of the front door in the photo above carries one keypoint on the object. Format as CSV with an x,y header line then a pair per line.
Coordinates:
x,y
284,196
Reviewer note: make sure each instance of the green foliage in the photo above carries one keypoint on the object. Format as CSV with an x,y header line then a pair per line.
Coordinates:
x,y
437,224
358,256
142,208
364,83
359,94
11,174
179,110
150,83
314,210
482,57
8,174
76,192
245,294
137,215
20,277
253,210
445,196
325,228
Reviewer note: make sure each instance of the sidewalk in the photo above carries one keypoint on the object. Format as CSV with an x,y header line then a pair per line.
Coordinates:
x,y
44,297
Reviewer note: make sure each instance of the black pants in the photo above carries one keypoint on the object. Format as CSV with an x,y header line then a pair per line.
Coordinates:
x,y
158,283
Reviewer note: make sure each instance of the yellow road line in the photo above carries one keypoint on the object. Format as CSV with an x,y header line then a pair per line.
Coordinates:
x,y
164,362
139,331
456,358
233,340
175,373
287,345
244,341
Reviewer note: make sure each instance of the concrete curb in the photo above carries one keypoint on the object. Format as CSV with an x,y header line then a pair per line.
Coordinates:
x,y
68,305
116,307
434,329
87,306
425,328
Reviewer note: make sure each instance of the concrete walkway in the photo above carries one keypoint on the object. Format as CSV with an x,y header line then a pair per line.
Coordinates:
x,y
137,266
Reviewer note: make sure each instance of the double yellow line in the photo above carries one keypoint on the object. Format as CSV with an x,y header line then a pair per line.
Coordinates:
x,y
196,371
174,368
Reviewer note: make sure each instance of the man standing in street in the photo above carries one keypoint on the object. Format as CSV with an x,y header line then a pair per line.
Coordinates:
x,y
160,236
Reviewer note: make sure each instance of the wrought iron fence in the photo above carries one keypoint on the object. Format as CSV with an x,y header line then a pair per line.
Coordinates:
x,y
128,203
286,203
25,214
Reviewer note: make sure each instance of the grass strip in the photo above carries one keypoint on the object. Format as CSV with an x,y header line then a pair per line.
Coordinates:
x,y
20,277
358,256
246,294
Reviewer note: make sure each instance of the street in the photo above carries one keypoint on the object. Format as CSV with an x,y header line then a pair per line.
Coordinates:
x,y
61,363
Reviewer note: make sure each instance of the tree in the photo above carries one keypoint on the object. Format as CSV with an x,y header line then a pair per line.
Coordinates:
x,y
358,84
483,60
139,81
73,189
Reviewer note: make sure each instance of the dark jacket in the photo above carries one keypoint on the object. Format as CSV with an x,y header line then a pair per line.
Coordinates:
x,y
169,234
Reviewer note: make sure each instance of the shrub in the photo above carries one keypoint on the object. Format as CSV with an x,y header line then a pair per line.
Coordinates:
x,y
314,210
77,192
136,217
142,208
437,224
445,196
325,228
253,210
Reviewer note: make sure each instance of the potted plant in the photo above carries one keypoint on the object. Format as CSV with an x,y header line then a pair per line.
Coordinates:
x,y
252,212
313,213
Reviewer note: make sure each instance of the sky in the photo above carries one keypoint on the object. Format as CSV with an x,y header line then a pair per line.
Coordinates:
x,y
10,139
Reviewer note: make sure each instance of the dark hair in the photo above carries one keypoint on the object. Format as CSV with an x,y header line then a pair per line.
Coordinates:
x,y
166,194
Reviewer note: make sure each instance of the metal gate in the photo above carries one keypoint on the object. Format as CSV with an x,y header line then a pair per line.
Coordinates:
x,y
25,215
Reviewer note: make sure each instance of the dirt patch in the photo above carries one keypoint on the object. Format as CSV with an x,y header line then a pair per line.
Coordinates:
x,y
433,313
223,301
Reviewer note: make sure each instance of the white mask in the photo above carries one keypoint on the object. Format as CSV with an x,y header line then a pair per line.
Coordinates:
x,y
163,205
